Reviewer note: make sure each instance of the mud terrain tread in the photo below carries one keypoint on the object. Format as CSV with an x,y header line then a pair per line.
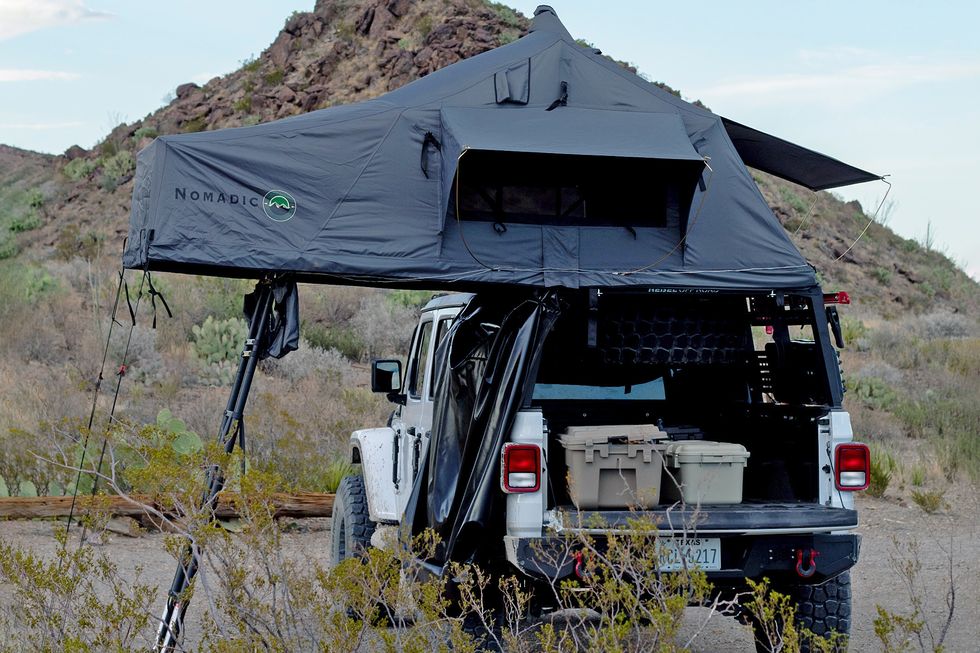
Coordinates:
x,y
351,513
825,608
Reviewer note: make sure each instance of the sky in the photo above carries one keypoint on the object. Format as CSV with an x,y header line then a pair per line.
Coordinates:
x,y
892,87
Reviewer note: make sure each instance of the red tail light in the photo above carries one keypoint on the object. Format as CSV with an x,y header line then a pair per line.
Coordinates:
x,y
853,465
836,298
520,468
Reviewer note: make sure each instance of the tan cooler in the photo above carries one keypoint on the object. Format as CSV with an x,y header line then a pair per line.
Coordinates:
x,y
614,467
708,472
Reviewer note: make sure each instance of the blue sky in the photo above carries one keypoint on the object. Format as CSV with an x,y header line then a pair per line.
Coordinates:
x,y
893,87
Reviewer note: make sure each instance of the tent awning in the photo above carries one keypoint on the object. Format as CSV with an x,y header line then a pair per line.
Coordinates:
x,y
792,162
570,131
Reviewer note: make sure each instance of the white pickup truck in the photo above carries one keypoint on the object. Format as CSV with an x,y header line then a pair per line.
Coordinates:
x,y
492,385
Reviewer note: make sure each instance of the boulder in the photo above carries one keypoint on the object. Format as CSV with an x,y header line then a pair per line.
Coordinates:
x,y
186,89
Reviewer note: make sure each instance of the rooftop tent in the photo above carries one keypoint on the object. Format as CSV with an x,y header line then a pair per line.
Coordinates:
x,y
539,163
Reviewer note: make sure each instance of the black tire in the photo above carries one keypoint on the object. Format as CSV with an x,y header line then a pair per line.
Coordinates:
x,y
351,528
821,609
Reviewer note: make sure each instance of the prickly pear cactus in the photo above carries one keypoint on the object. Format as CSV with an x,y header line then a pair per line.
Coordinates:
x,y
217,345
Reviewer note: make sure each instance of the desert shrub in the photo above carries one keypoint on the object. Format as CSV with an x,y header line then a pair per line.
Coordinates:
x,y
881,370
196,124
274,77
508,16
120,165
883,464
344,340
144,362
929,500
309,360
73,243
918,476
795,202
943,324
25,222
61,603
882,275
413,299
243,104
385,328
79,168
852,329
146,131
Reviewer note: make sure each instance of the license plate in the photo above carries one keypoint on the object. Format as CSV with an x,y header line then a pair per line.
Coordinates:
x,y
703,553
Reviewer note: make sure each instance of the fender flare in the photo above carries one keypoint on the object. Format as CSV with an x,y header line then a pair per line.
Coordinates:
x,y
372,450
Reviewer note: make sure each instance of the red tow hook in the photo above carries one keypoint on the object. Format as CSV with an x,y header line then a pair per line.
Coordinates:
x,y
811,567
580,573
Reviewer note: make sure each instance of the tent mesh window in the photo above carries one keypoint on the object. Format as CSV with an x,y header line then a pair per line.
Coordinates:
x,y
573,190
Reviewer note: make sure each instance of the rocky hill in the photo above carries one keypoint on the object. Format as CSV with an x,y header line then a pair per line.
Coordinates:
x,y
348,51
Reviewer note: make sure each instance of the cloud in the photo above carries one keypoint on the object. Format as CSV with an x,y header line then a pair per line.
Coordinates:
x,y
28,75
41,126
22,16
840,86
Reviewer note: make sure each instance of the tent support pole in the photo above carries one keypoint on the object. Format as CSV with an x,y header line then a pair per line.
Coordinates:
x,y
172,621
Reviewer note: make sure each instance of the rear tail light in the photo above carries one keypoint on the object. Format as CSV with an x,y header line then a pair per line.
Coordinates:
x,y
853,465
520,468
840,297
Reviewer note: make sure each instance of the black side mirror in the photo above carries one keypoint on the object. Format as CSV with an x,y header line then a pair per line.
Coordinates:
x,y
386,376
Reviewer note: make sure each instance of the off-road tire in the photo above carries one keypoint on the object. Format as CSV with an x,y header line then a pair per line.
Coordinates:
x,y
821,609
351,528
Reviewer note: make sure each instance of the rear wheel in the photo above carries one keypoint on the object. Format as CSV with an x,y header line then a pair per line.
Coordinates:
x,y
351,526
820,609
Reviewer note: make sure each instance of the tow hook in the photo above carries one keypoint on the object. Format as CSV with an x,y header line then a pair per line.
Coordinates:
x,y
580,571
811,565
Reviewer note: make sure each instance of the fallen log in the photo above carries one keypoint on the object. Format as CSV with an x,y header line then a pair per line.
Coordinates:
x,y
304,504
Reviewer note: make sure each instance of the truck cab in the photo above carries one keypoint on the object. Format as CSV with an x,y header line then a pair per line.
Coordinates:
x,y
654,373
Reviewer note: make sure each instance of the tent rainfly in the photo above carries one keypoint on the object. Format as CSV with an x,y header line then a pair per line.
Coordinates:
x,y
539,163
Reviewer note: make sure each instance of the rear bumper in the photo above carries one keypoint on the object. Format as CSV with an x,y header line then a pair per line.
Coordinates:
x,y
742,556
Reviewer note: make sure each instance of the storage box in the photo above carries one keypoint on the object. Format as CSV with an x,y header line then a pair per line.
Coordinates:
x,y
708,472
614,467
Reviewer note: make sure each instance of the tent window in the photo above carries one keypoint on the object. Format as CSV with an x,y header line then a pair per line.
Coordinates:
x,y
522,187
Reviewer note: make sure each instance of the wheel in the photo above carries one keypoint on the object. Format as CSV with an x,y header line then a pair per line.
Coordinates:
x,y
351,527
821,609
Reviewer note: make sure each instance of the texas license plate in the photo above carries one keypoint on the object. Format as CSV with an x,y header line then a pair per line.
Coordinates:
x,y
677,553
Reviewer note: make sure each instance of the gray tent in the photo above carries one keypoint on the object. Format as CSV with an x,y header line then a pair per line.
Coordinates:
x,y
539,163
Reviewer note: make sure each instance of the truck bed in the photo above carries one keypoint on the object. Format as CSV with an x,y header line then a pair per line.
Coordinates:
x,y
749,517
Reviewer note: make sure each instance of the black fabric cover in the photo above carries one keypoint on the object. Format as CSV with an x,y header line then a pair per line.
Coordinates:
x,y
359,193
493,350
282,332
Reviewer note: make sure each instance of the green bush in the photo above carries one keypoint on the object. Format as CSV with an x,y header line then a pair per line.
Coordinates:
x,y
274,78
343,339
197,124
243,105
145,131
119,165
929,500
25,222
882,466
795,202
882,275
80,168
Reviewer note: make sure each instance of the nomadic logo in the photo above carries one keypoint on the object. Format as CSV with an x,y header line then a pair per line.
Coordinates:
x,y
279,205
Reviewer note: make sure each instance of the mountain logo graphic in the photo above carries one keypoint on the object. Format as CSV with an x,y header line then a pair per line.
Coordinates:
x,y
279,205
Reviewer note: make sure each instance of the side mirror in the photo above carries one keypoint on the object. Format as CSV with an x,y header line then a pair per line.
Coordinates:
x,y
386,376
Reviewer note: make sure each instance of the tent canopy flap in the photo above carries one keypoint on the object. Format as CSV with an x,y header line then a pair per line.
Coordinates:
x,y
792,162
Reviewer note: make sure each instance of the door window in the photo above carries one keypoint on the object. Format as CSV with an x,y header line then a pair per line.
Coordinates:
x,y
417,376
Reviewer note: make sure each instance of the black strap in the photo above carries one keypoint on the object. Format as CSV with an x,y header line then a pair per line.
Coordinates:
x,y
154,293
562,100
423,160
129,303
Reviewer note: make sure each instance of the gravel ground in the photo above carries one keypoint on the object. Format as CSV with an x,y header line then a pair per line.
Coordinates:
x,y
874,580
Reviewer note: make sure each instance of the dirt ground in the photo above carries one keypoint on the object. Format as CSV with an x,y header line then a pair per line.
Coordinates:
x,y
956,530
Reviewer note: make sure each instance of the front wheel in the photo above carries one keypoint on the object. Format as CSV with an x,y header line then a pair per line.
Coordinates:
x,y
351,527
